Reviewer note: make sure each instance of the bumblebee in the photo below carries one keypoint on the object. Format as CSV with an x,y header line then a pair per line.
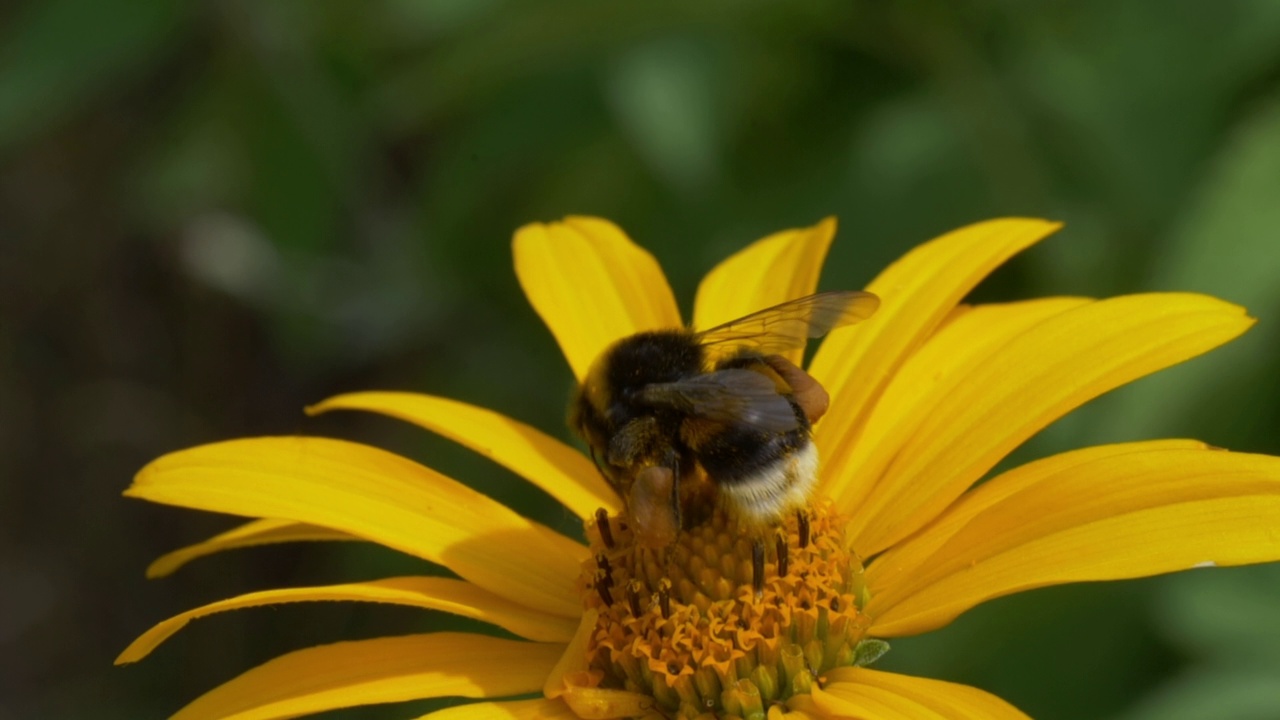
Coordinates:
x,y
681,422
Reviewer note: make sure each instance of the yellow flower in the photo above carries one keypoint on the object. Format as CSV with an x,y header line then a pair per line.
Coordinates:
x,y
926,397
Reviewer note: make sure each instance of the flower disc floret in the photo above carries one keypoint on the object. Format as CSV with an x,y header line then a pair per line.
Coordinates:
x,y
684,625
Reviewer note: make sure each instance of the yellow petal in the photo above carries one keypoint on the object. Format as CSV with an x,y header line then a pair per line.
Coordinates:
x,y
894,574
873,695
979,416
916,293
968,338
593,703
540,709
781,267
574,659
1124,516
566,474
591,285
369,672
428,593
255,532
799,707
869,703
373,494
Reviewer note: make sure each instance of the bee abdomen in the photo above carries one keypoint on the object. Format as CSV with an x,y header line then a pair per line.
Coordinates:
x,y
764,490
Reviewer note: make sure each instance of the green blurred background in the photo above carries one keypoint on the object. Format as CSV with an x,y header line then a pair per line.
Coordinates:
x,y
213,213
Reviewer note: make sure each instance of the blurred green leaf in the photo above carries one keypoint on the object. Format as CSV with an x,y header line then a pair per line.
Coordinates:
x,y
1227,244
1238,694
58,55
1223,615
669,97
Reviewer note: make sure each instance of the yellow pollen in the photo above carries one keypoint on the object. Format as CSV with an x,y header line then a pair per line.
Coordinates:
x,y
683,624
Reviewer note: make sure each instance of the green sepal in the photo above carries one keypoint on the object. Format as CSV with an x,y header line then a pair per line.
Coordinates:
x,y
869,651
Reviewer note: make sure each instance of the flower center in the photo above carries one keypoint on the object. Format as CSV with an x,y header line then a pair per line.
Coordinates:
x,y
686,626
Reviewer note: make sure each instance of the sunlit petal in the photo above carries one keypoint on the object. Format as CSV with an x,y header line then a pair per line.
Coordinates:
x,y
373,494
798,707
593,703
873,695
574,659
1123,516
591,285
254,532
981,415
369,672
970,337
566,474
890,575
781,267
429,593
539,709
916,294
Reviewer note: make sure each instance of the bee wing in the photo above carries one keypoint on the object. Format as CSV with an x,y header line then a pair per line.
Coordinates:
x,y
733,397
792,323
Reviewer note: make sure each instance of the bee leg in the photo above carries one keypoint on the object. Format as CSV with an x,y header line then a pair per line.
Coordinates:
x,y
802,528
757,567
809,393
780,542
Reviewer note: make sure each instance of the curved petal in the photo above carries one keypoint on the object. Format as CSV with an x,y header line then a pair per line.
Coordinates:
x,y
1131,515
429,593
255,532
574,659
916,294
595,703
873,695
539,709
369,672
566,474
591,285
895,574
967,339
373,494
798,707
781,267
981,415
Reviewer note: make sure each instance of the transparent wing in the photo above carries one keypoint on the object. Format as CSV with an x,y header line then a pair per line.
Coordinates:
x,y
734,397
793,323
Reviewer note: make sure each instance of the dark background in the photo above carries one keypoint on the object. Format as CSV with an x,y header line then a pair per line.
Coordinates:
x,y
213,213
